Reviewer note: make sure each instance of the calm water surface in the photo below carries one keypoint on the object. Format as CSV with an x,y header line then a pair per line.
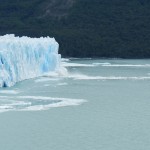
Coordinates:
x,y
97,105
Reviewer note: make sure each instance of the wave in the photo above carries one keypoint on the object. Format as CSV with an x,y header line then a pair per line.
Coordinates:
x,y
86,77
45,79
65,59
79,76
103,64
35,103
126,65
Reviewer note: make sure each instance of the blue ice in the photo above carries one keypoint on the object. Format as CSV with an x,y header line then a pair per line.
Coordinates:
x,y
24,57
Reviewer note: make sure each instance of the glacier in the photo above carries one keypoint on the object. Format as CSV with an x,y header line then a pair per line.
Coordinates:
x,y
24,57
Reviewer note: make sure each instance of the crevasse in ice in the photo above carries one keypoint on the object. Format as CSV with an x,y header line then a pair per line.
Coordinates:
x,y
24,57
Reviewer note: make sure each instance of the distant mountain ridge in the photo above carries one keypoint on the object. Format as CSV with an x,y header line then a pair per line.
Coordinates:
x,y
84,28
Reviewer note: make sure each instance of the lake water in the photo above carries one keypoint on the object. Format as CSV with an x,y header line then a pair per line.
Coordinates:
x,y
100,104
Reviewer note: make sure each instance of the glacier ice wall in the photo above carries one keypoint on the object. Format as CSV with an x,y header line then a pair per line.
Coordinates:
x,y
24,57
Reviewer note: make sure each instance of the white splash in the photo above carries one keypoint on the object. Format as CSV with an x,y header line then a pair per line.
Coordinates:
x,y
35,103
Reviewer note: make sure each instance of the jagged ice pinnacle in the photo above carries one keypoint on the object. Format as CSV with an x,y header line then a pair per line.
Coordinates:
x,y
24,57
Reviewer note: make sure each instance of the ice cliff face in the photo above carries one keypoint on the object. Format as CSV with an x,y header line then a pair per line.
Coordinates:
x,y
23,58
